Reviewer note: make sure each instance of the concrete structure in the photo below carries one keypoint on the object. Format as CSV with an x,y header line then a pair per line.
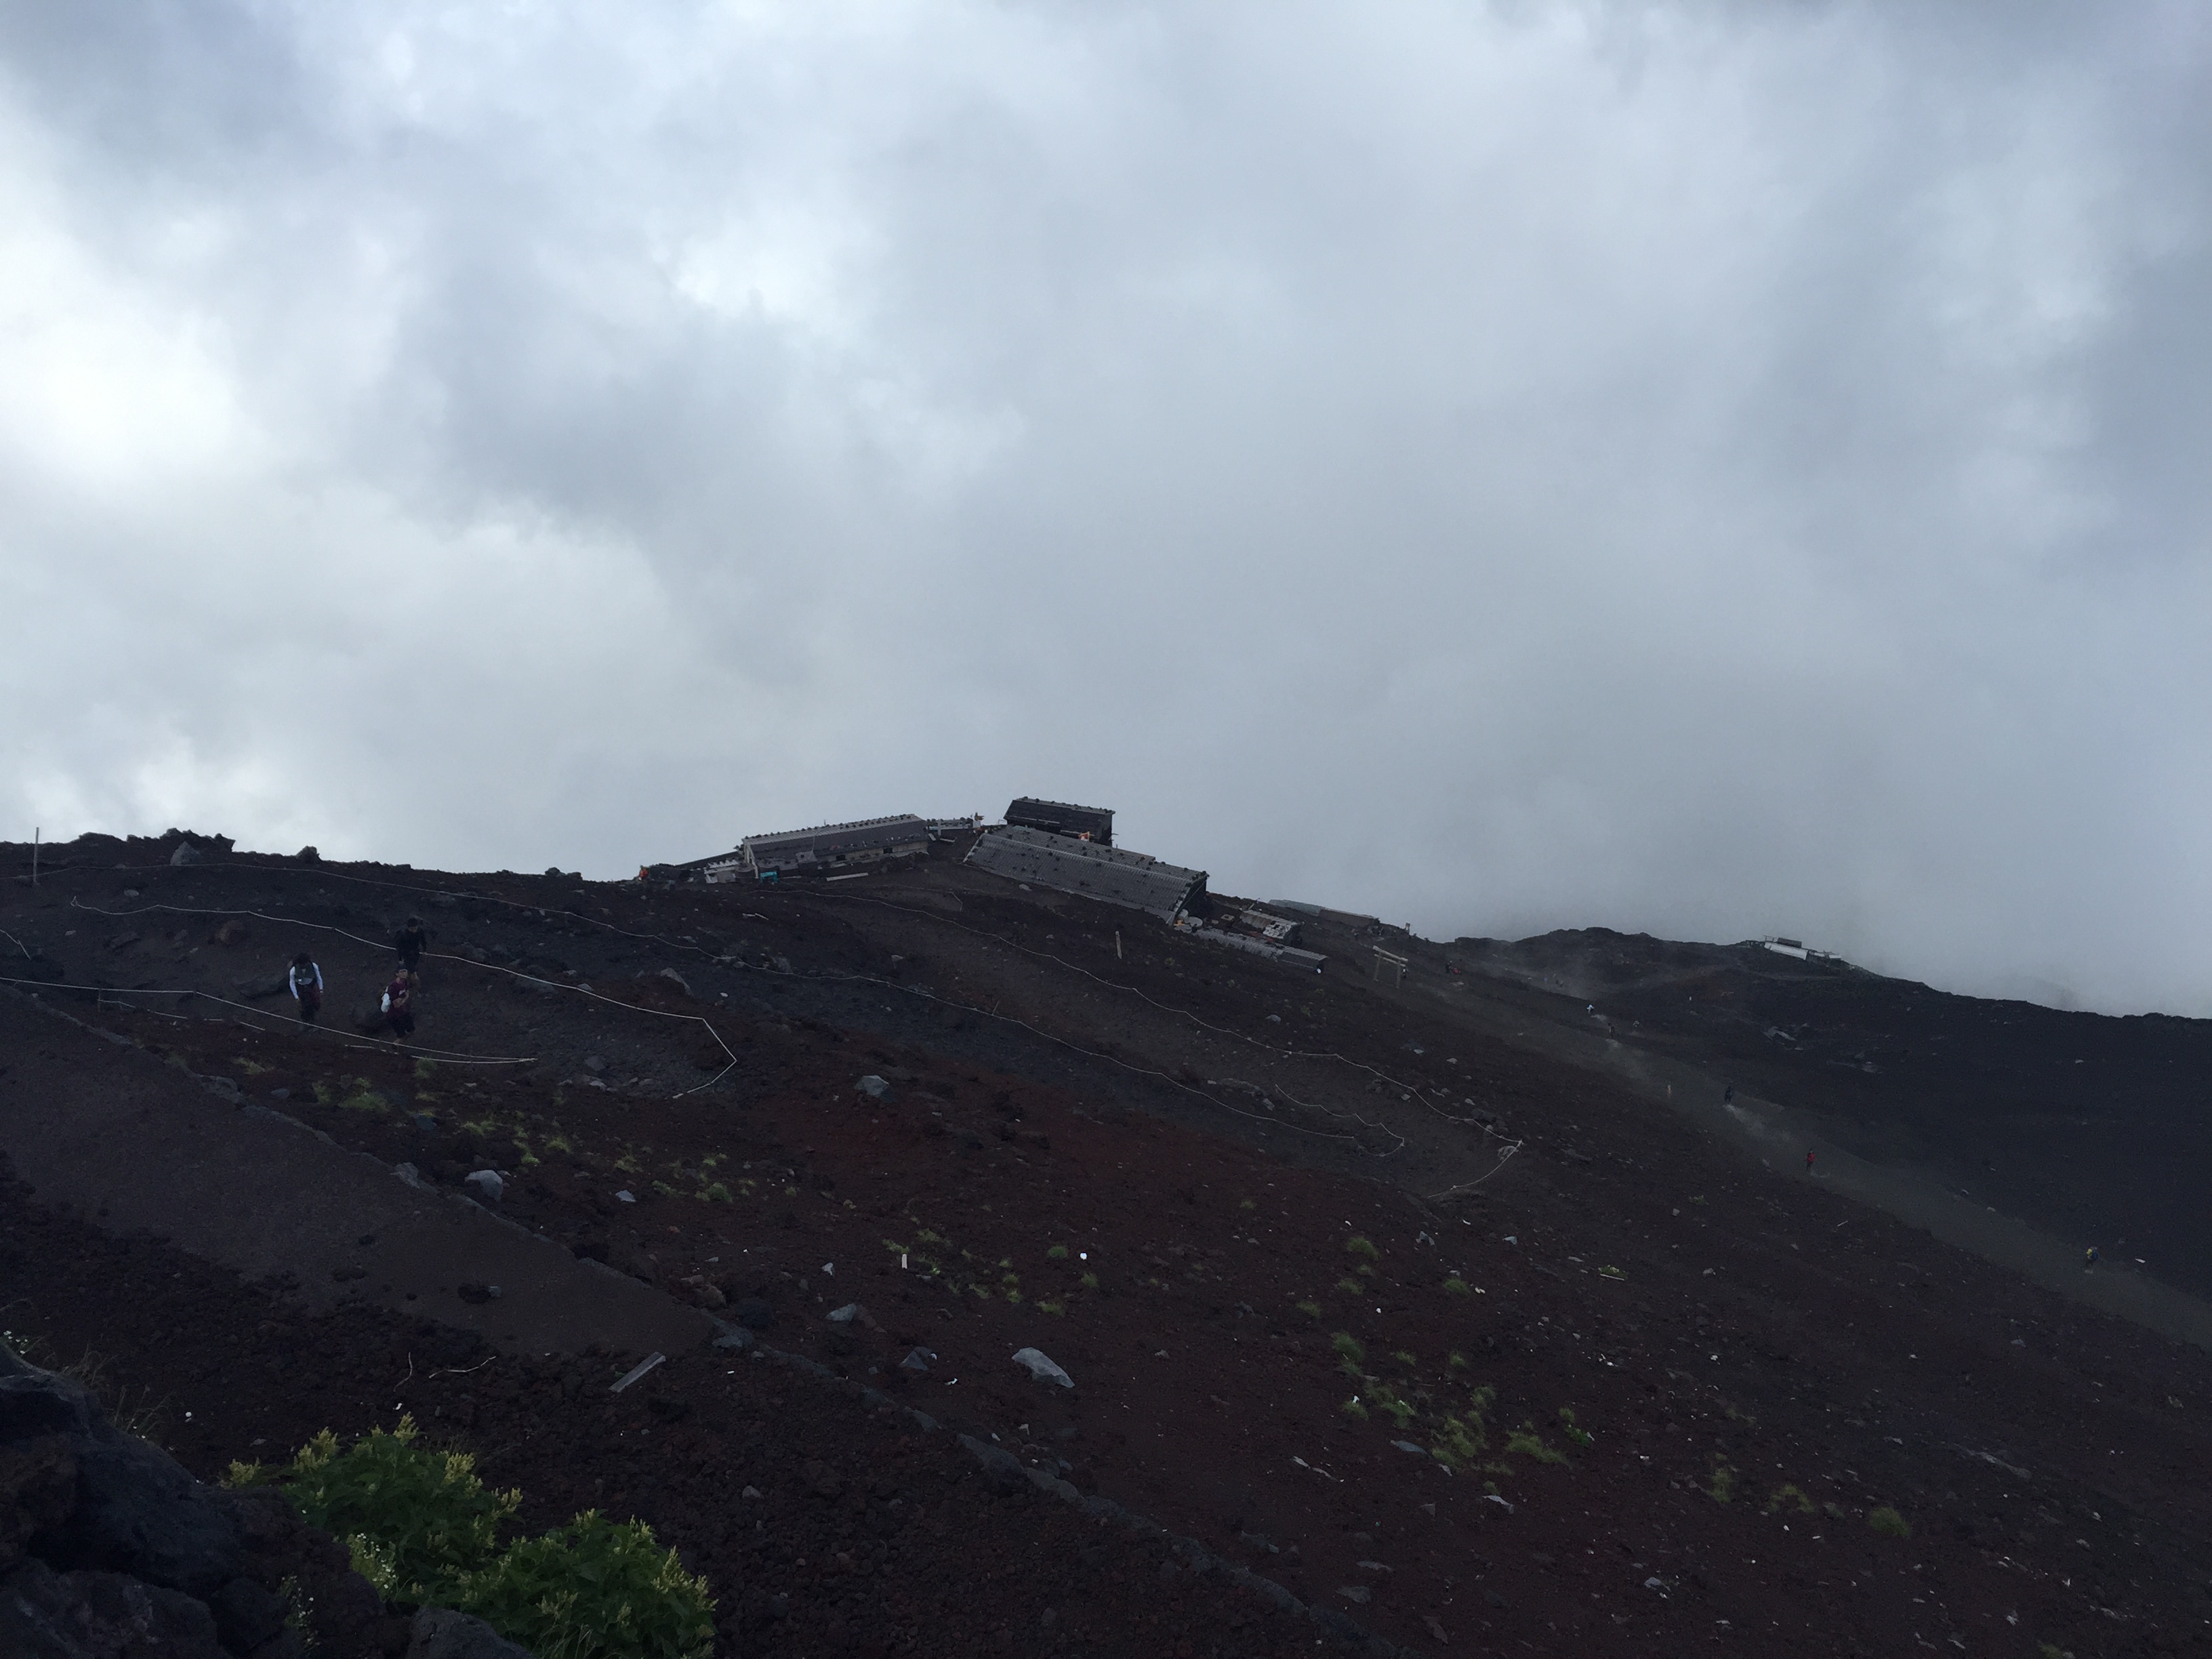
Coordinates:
x,y
1057,817
1089,868
1253,943
826,847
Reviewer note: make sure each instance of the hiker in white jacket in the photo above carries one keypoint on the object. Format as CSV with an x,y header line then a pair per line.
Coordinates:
x,y
307,981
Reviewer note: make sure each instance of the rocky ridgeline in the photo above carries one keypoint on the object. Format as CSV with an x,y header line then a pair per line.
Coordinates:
x,y
110,1550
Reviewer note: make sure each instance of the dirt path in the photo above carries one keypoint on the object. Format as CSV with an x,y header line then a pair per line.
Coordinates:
x,y
145,1148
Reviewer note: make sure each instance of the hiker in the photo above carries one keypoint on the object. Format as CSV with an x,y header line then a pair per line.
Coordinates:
x,y
305,979
1728,1096
410,945
1808,1163
2089,1258
400,1005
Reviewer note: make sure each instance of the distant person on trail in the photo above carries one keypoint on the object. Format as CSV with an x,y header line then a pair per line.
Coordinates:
x,y
1808,1163
2089,1258
400,1005
1728,1096
306,982
410,945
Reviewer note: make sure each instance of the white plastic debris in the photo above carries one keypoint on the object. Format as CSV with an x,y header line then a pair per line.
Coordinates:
x,y
1041,1367
488,1182
638,1370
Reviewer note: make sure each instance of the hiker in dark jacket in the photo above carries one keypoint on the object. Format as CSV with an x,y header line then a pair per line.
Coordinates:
x,y
305,979
411,943
400,1005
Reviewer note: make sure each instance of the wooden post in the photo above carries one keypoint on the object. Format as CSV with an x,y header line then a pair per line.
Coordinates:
x,y
34,855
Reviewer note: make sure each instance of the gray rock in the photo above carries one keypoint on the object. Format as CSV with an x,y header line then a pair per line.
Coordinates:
x,y
246,1616
682,984
441,1634
873,1086
1357,1593
1033,1362
186,854
918,1361
45,1614
487,1184
594,1065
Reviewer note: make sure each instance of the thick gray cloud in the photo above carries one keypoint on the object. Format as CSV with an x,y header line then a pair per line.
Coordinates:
x,y
1713,470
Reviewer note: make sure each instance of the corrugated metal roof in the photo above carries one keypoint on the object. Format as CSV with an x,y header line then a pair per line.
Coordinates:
x,y
1063,818
1089,868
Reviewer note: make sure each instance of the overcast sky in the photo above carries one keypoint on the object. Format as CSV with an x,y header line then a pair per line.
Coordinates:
x,y
1713,470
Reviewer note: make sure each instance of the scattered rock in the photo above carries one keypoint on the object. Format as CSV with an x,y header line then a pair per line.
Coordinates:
x,y
753,1314
1409,1446
487,1184
308,855
873,1086
682,984
231,932
627,1196
918,1361
1358,1594
79,1615
594,1065
475,1294
186,854
1041,1367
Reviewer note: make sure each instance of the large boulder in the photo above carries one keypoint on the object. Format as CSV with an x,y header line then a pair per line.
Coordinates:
x,y
441,1634
110,1549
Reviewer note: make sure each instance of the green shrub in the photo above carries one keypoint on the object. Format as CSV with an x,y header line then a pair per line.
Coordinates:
x,y
1362,1248
1057,1253
718,1194
1089,1281
1456,1286
417,1521
1526,1441
1790,1497
1573,1430
1354,1410
1310,1309
594,1589
1889,1523
1723,1489
1351,1286
1348,1350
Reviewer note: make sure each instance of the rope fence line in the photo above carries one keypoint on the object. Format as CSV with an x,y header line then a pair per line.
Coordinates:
x,y
444,1057
1509,1148
729,1053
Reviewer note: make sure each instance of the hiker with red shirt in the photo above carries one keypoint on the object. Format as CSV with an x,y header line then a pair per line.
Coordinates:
x,y
400,1005
1808,1164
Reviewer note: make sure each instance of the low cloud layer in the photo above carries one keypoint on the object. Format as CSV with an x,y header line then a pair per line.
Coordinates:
x,y
1709,470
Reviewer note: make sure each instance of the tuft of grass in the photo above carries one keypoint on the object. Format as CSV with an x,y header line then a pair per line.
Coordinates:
x,y
251,1067
718,1194
1889,1523
1057,1253
1362,1248
1349,1350
1456,1286
1790,1497
1247,1204
1526,1441
1089,1281
1405,1359
1310,1309
1351,1286
425,1068
1723,1489
1352,1409
1457,1362
1054,1308
1573,1430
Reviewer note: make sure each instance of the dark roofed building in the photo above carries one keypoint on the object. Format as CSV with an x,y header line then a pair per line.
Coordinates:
x,y
834,846
1057,817
1090,869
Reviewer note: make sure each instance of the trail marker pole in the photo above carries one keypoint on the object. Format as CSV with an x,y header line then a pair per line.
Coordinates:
x,y
34,855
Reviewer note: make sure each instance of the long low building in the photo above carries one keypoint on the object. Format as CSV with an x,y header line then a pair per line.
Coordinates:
x,y
1068,865
825,847
1060,817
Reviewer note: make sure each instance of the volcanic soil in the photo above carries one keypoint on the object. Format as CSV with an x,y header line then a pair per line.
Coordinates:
x,y
1364,1287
